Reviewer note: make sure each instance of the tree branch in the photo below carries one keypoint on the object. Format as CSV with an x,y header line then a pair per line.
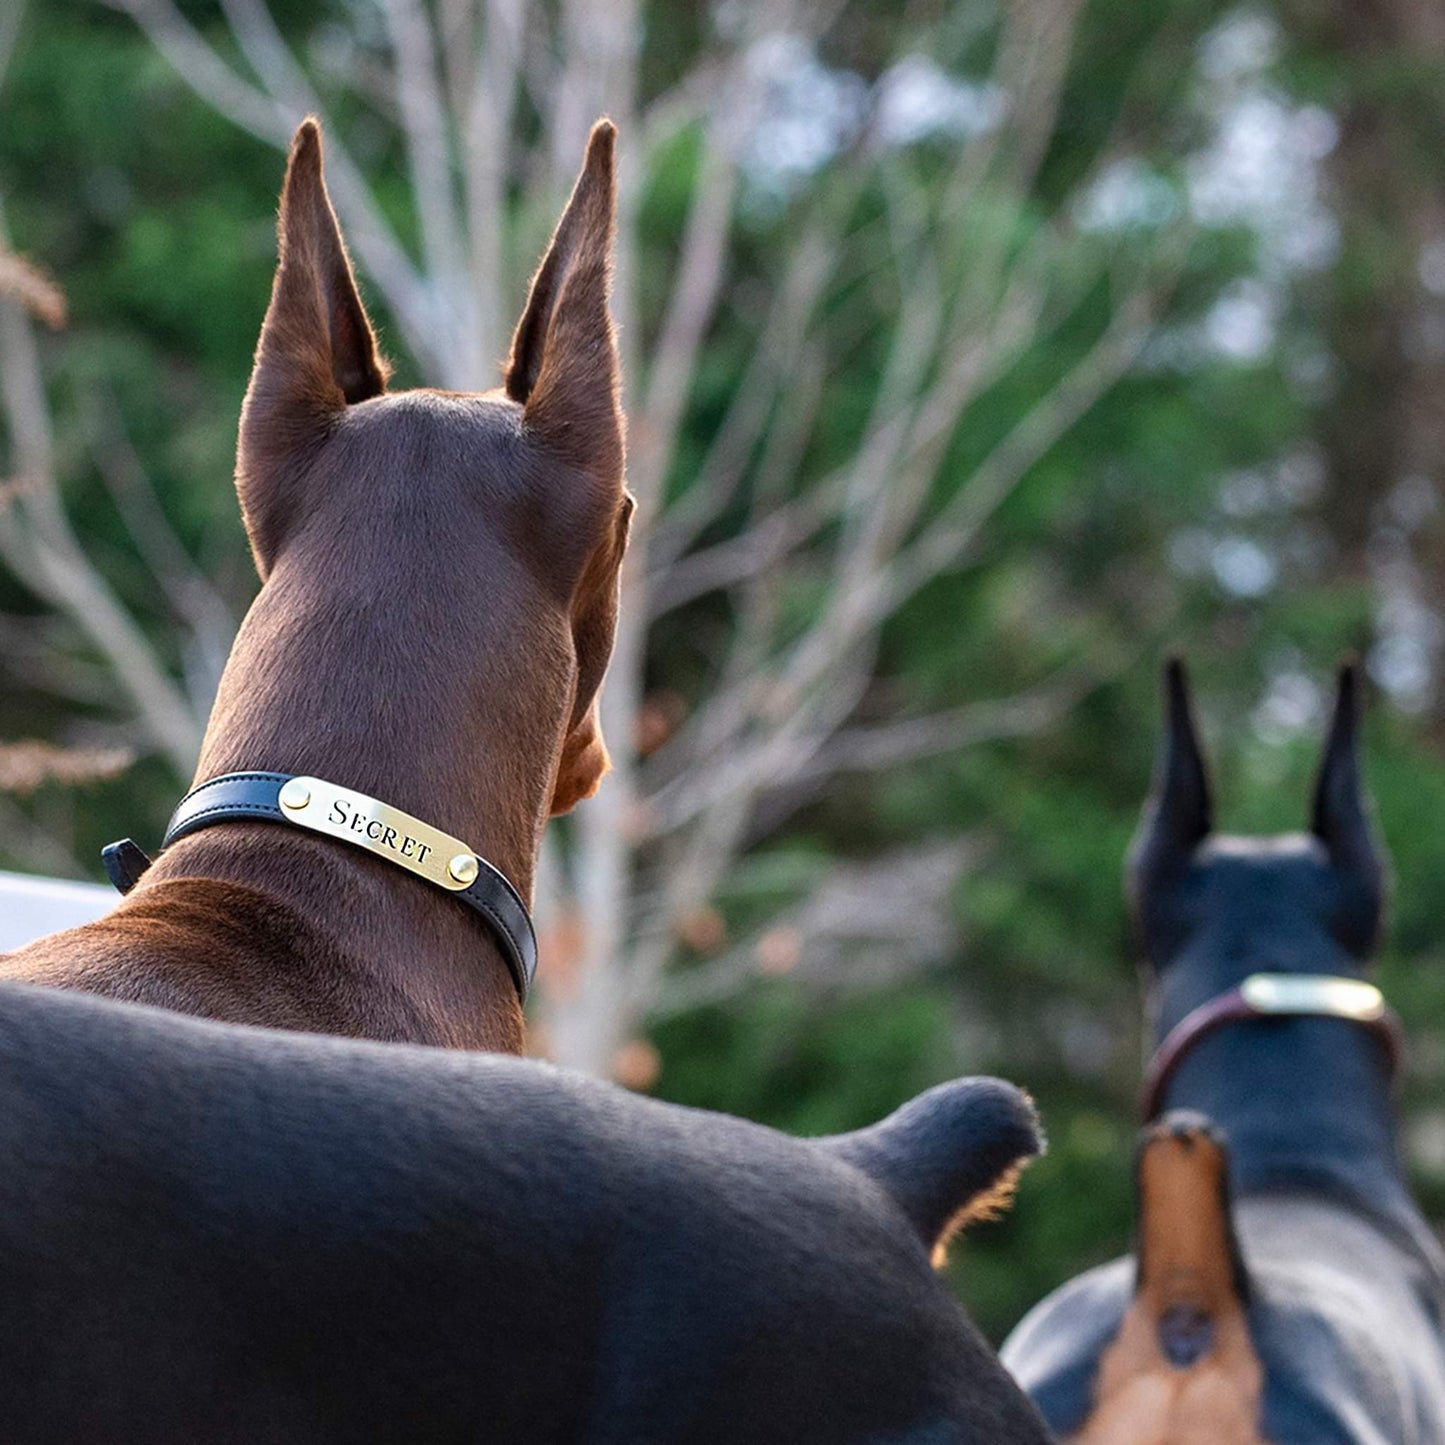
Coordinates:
x,y
37,543
695,288
272,117
422,108
864,925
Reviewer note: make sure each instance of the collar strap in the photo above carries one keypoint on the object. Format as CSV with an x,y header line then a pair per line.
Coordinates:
x,y
1274,995
351,817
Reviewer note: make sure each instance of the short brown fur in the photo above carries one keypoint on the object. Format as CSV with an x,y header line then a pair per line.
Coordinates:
x,y
1188,1261
440,575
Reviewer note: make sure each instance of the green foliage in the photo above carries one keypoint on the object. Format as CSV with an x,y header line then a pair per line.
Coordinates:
x,y
157,216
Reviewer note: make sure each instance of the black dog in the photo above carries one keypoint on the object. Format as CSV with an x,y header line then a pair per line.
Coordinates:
x,y
1326,1255
213,1234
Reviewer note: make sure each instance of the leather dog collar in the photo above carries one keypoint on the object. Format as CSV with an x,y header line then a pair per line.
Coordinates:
x,y
1274,995
364,822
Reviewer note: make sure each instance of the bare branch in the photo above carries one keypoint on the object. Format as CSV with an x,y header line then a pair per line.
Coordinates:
x,y
945,541
422,108
26,765
764,545
871,749
273,117
864,925
206,73
458,41
487,138
814,263
1038,37
37,543
598,40
29,286
209,622
949,537
872,589
10,20
695,288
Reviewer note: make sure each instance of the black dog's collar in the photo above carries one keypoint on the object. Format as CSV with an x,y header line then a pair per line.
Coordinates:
x,y
350,817
1274,995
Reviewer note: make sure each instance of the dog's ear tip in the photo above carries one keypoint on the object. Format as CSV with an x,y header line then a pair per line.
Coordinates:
x,y
317,351
599,166
304,170
1346,711
306,142
565,330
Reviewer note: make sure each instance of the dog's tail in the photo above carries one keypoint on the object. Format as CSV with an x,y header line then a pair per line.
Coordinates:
x,y
1183,1365
950,1156
1187,1249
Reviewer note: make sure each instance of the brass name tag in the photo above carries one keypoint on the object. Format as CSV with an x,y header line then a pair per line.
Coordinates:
x,y
381,829
1310,993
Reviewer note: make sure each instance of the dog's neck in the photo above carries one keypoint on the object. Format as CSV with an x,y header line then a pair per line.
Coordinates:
x,y
307,700
1305,1102
306,694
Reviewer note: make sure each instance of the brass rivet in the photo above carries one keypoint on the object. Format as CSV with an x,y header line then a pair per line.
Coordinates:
x,y
295,795
463,868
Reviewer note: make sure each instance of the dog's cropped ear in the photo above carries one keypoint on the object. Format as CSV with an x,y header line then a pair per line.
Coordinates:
x,y
1180,810
950,1156
1341,814
317,353
1341,818
564,367
565,372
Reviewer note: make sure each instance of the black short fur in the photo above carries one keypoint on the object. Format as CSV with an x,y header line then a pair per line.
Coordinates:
x,y
218,1234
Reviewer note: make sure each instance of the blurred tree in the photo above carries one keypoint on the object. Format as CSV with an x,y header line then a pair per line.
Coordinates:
x,y
968,366
1381,309
865,263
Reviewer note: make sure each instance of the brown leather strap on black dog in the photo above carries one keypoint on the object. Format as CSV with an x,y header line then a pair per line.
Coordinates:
x,y
1274,995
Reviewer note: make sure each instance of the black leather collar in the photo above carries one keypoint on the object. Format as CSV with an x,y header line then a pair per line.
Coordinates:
x,y
257,797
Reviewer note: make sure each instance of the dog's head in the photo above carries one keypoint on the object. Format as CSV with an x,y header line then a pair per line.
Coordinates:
x,y
465,547
1224,906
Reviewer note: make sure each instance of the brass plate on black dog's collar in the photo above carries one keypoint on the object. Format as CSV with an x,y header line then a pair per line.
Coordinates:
x,y
1325,995
381,829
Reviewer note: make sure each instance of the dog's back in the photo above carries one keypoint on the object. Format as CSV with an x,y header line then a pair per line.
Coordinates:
x,y
1328,1336
225,1234
1344,1324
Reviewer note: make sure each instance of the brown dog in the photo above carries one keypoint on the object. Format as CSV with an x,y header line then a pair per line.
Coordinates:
x,y
439,597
